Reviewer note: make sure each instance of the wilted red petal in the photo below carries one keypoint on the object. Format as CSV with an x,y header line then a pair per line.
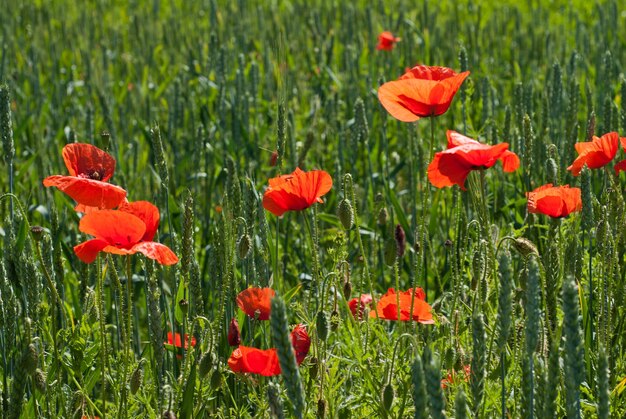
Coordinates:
x,y
596,153
256,301
296,191
301,342
117,228
92,193
387,306
234,336
146,212
245,359
86,160
554,201
88,251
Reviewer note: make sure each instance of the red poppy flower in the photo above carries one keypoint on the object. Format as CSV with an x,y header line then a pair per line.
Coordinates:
x,y
595,153
301,342
90,168
296,191
265,361
386,41
177,343
387,306
454,377
357,306
555,201
451,166
124,232
234,337
421,92
256,302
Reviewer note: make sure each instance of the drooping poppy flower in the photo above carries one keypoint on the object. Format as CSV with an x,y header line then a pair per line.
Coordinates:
x,y
421,92
123,232
90,168
256,302
595,153
387,306
301,342
555,201
234,336
386,41
452,166
357,305
265,361
296,191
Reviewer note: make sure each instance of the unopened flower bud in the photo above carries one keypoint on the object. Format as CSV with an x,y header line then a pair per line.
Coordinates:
x,y
243,246
400,240
39,379
136,379
321,408
321,322
525,247
347,289
206,363
345,213
382,216
184,306
234,336
37,232
387,397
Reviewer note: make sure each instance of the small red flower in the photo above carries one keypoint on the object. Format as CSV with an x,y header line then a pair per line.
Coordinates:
x,y
178,344
234,337
256,302
357,306
265,361
596,153
454,377
386,41
452,166
124,232
387,306
301,342
296,191
421,92
90,168
555,201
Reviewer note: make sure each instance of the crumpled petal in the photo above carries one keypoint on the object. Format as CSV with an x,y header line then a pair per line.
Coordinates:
x,y
88,192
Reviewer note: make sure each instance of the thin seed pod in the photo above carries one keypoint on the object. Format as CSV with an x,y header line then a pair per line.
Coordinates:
x,y
286,355
573,350
420,400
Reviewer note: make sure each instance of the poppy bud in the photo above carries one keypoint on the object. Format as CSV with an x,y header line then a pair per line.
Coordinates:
x,y
379,198
345,214
314,368
382,216
347,289
136,379
273,158
30,359
39,379
390,252
206,363
184,306
321,408
234,337
387,397
400,240
216,379
525,247
448,243
321,322
334,320
37,232
551,171
243,246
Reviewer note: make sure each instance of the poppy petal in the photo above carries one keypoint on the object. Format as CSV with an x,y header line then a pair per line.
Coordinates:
x,y
620,166
245,359
596,153
88,251
510,161
146,212
117,228
256,302
554,201
85,159
88,192
447,170
157,251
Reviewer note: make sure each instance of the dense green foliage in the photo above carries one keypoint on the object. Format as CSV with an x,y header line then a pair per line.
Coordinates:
x,y
192,98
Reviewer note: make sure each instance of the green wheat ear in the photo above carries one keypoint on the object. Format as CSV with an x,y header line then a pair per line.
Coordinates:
x,y
286,355
420,401
573,349
436,400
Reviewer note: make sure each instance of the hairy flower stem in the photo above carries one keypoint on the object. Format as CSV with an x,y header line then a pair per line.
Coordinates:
x,y
129,333
357,224
102,326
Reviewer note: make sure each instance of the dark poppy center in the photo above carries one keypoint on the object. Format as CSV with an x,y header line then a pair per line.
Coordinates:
x,y
95,175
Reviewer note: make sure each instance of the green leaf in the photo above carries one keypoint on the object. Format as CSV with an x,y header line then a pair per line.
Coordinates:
x,y
186,410
180,294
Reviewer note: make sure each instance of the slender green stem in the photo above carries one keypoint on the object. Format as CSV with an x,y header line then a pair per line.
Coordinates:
x,y
101,323
503,386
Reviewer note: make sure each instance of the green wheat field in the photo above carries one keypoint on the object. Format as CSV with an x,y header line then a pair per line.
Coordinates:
x,y
204,104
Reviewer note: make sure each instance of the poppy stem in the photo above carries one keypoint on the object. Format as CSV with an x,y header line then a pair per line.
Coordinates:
x,y
101,324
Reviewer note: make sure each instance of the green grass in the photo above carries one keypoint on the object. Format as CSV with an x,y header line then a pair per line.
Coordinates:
x,y
230,82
